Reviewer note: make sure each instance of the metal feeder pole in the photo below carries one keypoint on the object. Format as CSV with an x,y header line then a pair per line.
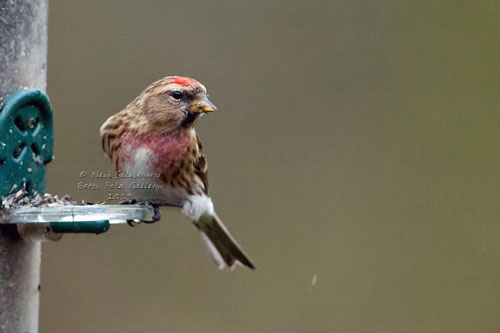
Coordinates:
x,y
23,58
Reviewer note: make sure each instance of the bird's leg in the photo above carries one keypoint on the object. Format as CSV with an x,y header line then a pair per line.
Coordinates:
x,y
156,212
128,202
156,216
156,209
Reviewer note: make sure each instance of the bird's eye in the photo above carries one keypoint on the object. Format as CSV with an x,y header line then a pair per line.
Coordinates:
x,y
176,94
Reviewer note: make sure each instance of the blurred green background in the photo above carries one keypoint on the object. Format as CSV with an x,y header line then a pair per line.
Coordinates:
x,y
356,141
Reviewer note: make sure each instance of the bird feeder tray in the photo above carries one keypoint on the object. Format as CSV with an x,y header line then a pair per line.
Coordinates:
x,y
79,219
26,146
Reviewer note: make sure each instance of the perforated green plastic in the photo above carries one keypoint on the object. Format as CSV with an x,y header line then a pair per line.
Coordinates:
x,y
26,140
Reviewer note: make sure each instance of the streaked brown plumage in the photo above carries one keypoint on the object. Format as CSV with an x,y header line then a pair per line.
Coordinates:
x,y
155,134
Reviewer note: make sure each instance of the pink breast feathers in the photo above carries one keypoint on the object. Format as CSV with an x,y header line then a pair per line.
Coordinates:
x,y
166,148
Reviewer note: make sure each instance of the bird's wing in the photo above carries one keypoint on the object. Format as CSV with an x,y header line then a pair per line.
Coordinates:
x,y
106,135
111,133
201,166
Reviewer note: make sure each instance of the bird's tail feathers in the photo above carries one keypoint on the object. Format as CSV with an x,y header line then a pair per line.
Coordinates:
x,y
225,251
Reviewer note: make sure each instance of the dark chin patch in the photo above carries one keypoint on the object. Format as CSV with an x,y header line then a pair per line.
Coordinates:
x,y
189,118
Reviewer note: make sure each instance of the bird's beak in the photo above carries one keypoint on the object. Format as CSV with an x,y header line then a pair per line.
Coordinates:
x,y
202,105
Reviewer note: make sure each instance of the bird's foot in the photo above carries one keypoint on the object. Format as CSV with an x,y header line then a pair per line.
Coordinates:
x,y
156,212
133,223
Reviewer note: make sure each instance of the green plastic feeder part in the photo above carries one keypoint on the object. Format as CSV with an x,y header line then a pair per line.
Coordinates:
x,y
26,140
94,227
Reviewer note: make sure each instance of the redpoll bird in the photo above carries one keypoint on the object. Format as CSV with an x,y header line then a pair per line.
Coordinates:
x,y
155,134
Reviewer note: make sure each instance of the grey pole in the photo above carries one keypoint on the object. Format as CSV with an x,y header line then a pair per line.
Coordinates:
x,y
23,58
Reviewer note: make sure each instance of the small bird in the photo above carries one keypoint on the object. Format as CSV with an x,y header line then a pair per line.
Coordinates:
x,y
155,135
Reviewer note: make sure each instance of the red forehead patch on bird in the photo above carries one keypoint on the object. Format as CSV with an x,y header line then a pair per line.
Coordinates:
x,y
185,81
